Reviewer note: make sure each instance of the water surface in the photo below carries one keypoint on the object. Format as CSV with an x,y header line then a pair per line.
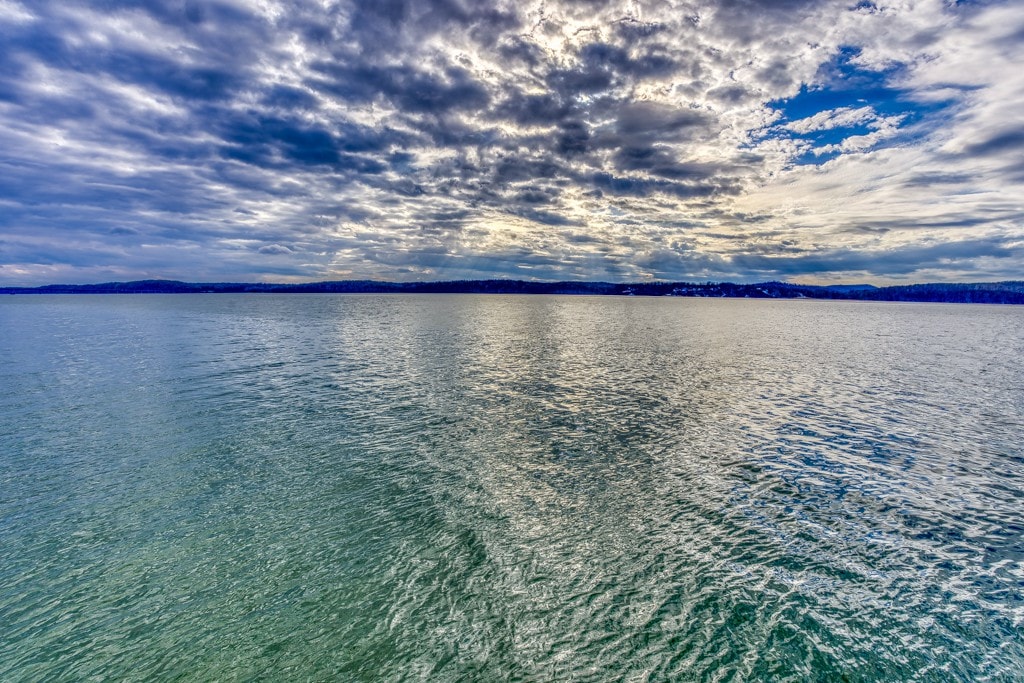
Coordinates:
x,y
464,488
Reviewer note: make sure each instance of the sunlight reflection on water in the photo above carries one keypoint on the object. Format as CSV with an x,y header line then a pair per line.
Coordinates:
x,y
493,487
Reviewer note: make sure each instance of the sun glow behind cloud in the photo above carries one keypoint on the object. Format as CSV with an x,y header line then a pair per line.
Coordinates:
x,y
301,140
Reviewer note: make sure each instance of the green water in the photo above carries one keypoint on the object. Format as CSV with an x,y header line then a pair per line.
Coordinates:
x,y
488,488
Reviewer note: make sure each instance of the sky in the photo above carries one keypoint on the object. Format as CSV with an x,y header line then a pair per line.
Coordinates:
x,y
300,140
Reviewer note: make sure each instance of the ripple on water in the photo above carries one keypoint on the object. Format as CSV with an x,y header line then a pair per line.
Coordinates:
x,y
533,488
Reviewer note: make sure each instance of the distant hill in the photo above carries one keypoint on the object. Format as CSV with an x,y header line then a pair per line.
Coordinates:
x,y
849,288
981,292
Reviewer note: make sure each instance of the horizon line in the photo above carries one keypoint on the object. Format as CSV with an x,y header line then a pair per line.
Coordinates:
x,y
413,283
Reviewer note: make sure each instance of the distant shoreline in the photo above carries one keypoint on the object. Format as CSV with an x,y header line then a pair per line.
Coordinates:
x,y
1009,292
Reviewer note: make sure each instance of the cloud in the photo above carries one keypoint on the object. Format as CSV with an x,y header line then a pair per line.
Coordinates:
x,y
903,260
400,139
274,249
843,117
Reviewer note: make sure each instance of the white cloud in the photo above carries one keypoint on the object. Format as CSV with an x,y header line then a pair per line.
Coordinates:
x,y
14,13
843,117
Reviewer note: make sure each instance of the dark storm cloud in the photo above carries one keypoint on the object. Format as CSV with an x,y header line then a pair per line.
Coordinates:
x,y
542,109
647,137
225,37
584,80
1009,141
511,169
383,25
518,49
290,98
652,61
639,186
903,260
573,138
937,178
268,140
731,94
680,261
408,88
650,121
661,162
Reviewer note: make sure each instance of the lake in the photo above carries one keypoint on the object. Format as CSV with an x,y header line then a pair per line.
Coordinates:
x,y
485,488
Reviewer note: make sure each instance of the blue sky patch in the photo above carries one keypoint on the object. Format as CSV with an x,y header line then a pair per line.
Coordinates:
x,y
844,85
